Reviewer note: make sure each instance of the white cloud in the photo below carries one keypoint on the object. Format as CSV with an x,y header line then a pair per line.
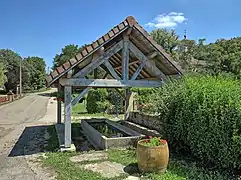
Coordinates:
x,y
169,20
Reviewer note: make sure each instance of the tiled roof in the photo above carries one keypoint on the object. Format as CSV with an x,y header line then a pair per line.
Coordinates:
x,y
129,22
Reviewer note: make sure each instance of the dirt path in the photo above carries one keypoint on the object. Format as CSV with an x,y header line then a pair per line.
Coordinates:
x,y
23,126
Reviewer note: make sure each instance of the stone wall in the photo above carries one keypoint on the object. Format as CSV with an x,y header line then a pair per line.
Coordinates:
x,y
151,122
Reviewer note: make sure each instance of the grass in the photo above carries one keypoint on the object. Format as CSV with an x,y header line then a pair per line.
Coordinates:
x,y
179,168
80,110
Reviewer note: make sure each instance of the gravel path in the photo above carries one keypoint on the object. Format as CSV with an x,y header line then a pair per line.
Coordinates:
x,y
23,128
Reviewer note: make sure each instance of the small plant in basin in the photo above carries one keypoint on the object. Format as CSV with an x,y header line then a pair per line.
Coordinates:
x,y
152,154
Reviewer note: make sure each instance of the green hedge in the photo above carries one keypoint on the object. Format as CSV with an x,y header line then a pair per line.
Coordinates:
x,y
203,116
96,100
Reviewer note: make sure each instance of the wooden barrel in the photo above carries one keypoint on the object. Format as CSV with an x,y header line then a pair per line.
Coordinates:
x,y
152,159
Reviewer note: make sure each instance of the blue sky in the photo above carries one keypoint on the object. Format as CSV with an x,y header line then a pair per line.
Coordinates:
x,y
42,28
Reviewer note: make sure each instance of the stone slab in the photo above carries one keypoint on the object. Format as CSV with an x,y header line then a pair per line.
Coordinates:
x,y
106,169
96,156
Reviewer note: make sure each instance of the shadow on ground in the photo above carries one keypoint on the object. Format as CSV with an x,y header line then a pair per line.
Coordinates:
x,y
79,139
33,140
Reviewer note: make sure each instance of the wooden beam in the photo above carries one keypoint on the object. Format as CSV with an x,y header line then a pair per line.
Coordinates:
x,y
111,70
152,55
133,62
125,58
67,114
99,60
112,83
149,64
69,73
129,98
81,95
138,70
59,108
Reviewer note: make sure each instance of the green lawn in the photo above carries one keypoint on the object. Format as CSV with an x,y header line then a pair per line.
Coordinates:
x,y
178,169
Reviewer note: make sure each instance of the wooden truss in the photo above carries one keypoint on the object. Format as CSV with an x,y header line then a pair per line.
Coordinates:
x,y
120,78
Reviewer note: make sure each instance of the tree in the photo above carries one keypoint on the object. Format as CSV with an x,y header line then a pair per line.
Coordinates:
x,y
34,73
11,60
3,77
168,39
66,54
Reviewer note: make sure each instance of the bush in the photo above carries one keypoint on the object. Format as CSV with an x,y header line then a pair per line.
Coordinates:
x,y
144,100
203,116
96,100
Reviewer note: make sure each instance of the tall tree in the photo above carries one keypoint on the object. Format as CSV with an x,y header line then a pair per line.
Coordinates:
x,y
34,72
11,60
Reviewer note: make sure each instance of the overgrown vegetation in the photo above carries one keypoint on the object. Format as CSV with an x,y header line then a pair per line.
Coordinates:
x,y
202,116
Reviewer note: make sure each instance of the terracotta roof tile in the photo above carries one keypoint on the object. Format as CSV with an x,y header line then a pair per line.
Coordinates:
x,y
54,74
100,41
79,56
84,52
72,61
106,37
66,65
60,69
89,48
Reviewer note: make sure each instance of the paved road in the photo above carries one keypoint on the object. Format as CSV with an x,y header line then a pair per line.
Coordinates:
x,y
21,132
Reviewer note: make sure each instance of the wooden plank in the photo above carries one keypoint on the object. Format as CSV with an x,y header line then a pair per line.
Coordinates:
x,y
138,70
149,64
82,94
67,115
59,110
112,70
99,60
125,58
131,63
109,83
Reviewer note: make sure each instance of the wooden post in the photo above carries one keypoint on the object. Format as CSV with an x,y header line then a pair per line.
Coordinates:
x,y
68,112
125,58
59,109
129,103
126,103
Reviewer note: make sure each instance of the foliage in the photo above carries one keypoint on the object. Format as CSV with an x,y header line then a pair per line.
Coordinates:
x,y
168,39
203,116
144,98
11,62
3,77
68,52
96,100
116,99
34,73
153,141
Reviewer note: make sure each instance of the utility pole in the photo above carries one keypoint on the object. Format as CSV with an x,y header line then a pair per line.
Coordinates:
x,y
20,78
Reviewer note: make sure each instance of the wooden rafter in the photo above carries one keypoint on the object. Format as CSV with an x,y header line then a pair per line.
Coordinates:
x,y
133,62
100,60
149,64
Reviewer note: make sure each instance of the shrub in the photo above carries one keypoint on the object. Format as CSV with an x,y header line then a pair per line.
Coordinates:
x,y
95,100
203,116
144,98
